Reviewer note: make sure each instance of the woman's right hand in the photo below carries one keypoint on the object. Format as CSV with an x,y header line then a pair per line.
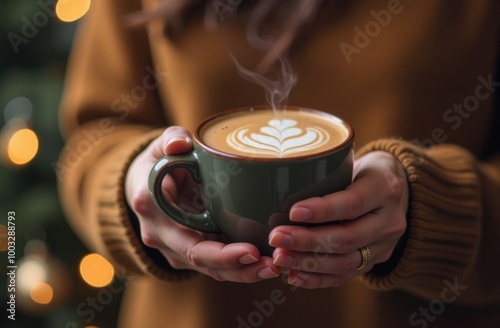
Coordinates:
x,y
185,248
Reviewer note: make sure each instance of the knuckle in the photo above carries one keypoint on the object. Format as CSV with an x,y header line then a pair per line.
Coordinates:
x,y
346,265
347,241
223,259
189,253
308,264
141,202
223,263
394,187
149,239
309,243
354,205
215,274
326,244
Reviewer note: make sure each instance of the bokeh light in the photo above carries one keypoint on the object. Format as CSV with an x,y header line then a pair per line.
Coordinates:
x,y
20,107
71,10
96,270
31,272
22,146
41,293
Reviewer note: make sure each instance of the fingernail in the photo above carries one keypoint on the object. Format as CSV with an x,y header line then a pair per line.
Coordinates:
x,y
296,281
175,139
266,273
284,260
247,259
297,278
279,239
300,214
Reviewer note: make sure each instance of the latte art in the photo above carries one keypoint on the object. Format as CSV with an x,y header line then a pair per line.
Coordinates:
x,y
279,138
262,133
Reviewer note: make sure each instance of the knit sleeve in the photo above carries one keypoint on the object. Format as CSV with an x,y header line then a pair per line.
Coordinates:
x,y
119,228
110,112
446,217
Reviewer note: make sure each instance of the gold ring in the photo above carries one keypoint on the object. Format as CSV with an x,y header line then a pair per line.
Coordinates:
x,y
365,257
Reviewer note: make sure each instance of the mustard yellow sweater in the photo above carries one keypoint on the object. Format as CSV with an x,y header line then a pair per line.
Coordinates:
x,y
415,78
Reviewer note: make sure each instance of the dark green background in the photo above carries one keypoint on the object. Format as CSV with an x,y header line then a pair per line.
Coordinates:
x,y
35,68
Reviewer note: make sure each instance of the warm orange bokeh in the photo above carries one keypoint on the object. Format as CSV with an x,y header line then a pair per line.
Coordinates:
x,y
96,270
71,10
22,147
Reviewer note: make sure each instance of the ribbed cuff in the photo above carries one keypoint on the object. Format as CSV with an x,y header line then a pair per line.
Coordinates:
x,y
444,217
119,226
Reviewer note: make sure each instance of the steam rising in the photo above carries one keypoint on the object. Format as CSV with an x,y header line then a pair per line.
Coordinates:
x,y
276,91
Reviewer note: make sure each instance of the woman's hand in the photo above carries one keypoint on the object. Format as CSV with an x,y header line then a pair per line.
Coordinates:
x,y
373,210
185,248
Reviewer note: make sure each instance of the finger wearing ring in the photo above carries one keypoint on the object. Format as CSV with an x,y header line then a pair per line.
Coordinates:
x,y
365,257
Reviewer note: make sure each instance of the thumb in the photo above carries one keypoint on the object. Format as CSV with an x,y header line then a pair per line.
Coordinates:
x,y
174,140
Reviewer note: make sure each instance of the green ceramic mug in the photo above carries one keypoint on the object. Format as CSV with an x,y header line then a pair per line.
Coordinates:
x,y
252,164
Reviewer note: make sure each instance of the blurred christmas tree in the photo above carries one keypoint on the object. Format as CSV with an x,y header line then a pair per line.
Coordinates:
x,y
51,289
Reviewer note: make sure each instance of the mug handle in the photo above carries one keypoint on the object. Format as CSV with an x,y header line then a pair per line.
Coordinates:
x,y
188,161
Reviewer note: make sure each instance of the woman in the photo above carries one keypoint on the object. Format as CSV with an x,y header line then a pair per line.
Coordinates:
x,y
415,79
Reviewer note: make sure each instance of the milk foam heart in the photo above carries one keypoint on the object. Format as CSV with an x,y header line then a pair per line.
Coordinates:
x,y
279,137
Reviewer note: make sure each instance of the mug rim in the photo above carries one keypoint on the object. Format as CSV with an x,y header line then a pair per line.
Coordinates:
x,y
199,141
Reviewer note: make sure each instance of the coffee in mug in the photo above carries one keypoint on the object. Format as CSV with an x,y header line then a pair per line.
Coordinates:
x,y
252,165
268,133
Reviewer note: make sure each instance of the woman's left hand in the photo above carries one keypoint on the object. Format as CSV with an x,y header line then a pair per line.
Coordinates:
x,y
373,211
